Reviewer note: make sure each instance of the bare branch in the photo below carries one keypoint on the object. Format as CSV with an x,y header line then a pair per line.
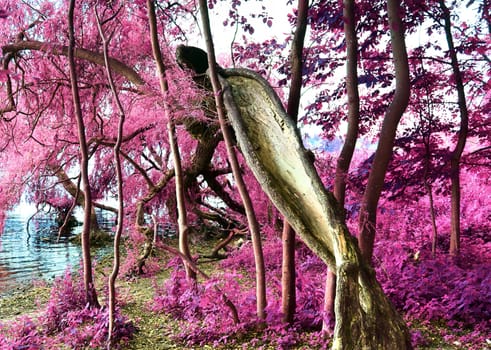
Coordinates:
x,y
91,56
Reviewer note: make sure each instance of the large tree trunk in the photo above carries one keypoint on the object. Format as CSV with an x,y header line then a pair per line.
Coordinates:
x,y
344,159
462,135
288,292
90,291
383,154
269,140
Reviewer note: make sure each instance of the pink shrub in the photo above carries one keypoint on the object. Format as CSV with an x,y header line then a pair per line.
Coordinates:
x,y
66,320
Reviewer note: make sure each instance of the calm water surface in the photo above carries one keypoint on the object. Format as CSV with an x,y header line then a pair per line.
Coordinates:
x,y
29,256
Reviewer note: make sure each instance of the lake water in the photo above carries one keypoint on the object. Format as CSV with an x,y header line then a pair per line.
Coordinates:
x,y
29,256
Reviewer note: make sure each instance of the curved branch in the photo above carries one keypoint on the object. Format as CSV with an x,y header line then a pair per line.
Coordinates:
x,y
139,168
10,96
224,195
61,50
73,189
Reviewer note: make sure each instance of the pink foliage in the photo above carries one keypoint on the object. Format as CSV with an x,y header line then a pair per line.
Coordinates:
x,y
38,137
204,319
66,321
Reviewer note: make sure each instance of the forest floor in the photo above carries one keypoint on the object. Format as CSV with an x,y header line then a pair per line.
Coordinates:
x,y
155,331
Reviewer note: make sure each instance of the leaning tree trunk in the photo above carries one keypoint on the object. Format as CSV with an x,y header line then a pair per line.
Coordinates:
x,y
269,140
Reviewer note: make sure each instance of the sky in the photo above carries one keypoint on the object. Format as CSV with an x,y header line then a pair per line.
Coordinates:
x,y
224,36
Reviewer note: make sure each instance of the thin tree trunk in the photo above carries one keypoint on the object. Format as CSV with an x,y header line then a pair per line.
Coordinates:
x,y
288,293
427,169
251,217
383,153
288,273
171,129
429,190
119,177
180,197
462,136
434,237
344,159
91,294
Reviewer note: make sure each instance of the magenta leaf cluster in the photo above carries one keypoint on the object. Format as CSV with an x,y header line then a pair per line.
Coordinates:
x,y
66,321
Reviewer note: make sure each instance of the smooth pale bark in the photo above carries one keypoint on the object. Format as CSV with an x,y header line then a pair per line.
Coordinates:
x,y
90,292
344,159
274,152
176,157
462,135
234,163
368,212
270,142
288,292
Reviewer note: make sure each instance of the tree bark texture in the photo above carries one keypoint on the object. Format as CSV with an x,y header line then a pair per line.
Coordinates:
x,y
271,144
383,153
